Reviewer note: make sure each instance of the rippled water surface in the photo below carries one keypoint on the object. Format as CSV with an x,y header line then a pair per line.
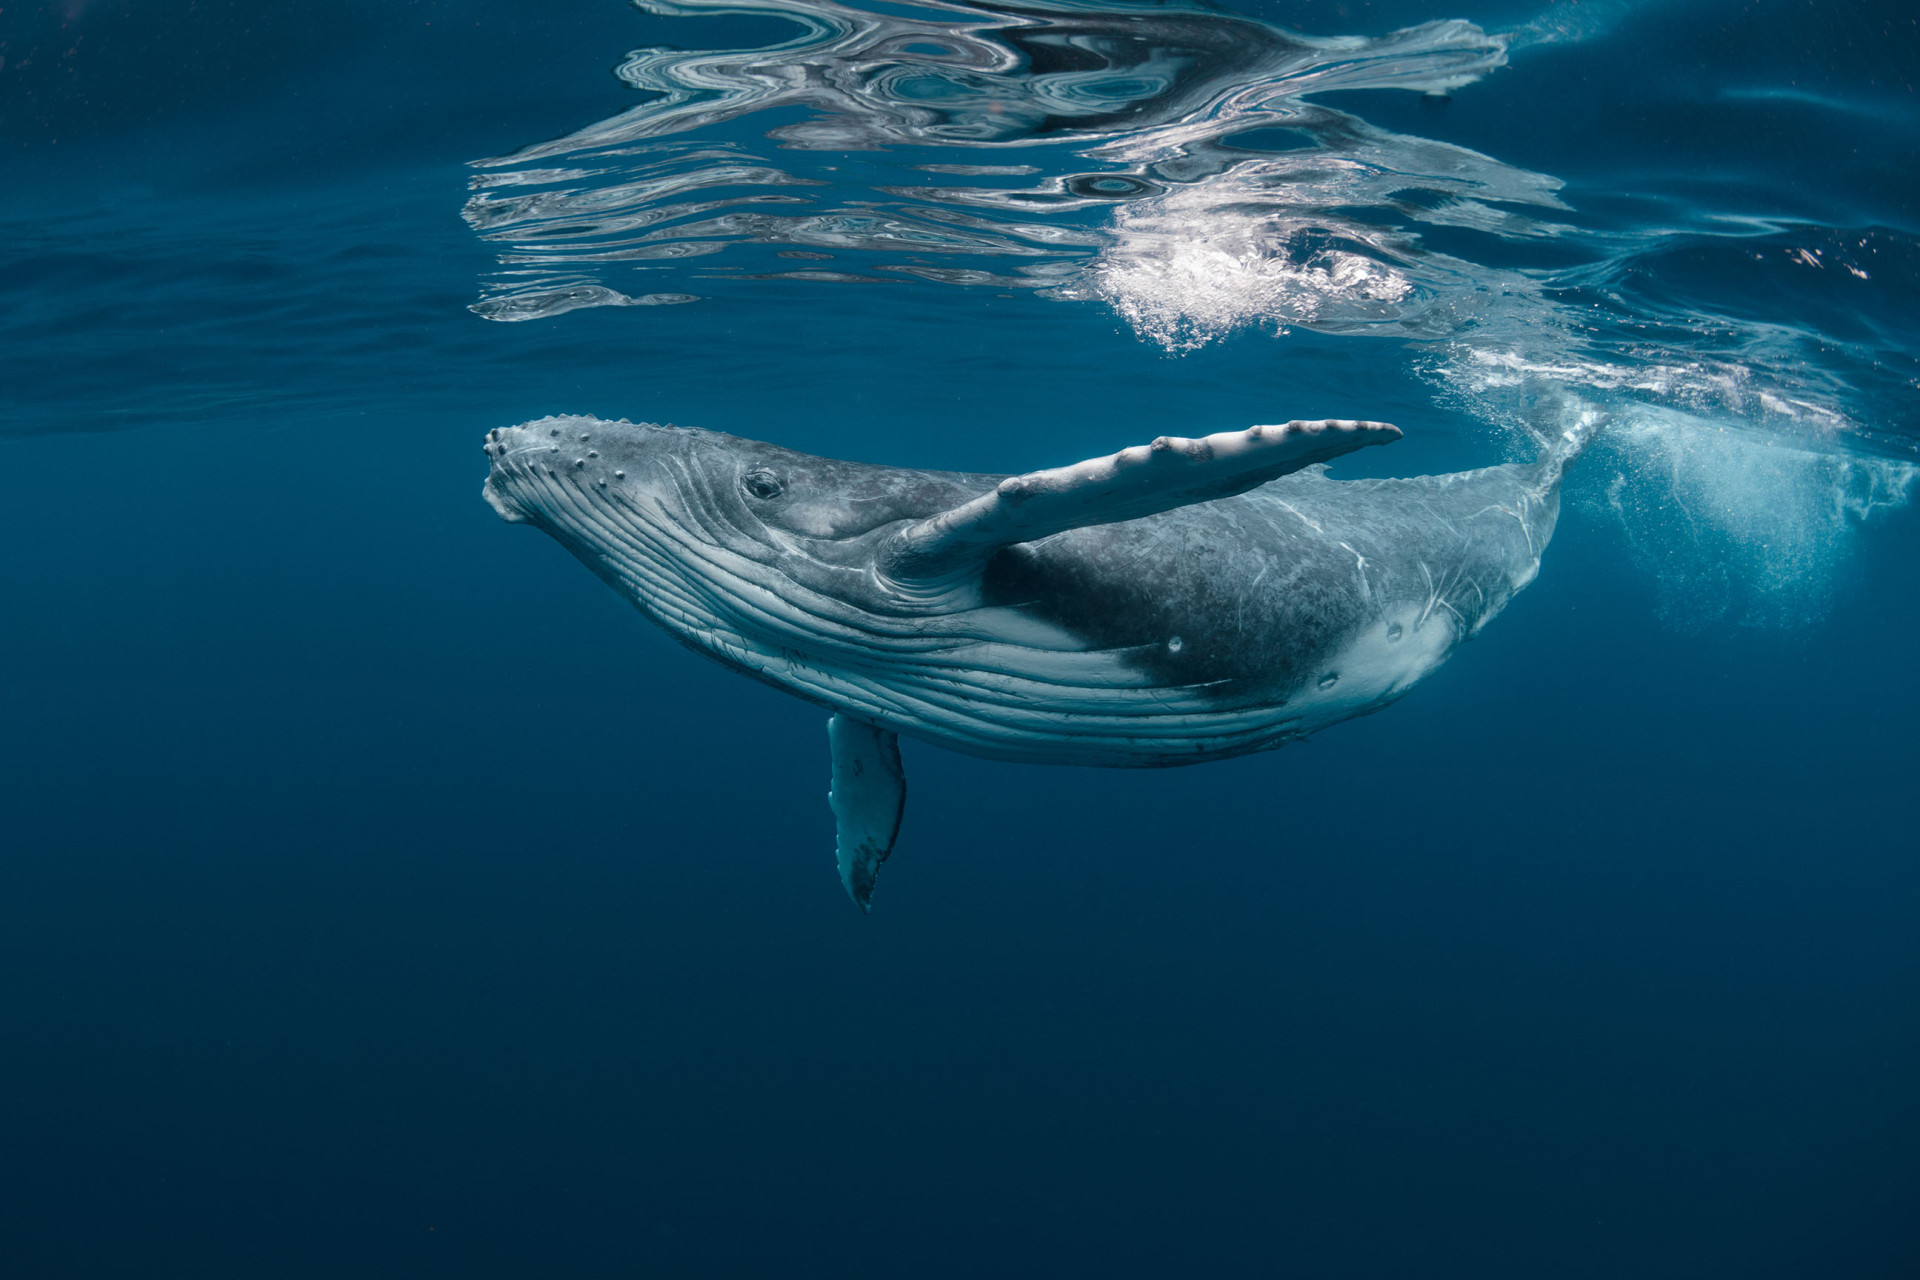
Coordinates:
x,y
382,897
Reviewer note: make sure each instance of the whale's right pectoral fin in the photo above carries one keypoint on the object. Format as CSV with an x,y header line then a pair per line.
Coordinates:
x,y
869,795
1147,479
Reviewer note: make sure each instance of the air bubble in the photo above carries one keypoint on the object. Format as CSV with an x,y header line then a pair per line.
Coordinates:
x,y
1176,644
1329,680
1393,631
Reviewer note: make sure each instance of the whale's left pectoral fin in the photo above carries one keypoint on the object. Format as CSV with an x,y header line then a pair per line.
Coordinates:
x,y
869,795
1145,480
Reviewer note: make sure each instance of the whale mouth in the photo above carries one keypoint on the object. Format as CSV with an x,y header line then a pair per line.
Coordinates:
x,y
502,505
502,442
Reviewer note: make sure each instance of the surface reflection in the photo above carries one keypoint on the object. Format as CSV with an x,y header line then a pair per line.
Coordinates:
x,y
1163,159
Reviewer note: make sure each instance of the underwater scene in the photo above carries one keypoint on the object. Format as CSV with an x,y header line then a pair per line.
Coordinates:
x,y
1325,591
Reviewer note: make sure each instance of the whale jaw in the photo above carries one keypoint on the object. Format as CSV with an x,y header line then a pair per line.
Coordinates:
x,y
502,505
494,490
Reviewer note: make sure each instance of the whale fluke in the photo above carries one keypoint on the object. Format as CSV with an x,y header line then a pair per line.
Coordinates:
x,y
1143,480
869,795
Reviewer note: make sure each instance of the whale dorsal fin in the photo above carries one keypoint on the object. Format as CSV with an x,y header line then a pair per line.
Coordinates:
x,y
1141,481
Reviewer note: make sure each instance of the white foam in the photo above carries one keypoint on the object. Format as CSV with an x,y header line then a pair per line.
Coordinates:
x,y
1185,272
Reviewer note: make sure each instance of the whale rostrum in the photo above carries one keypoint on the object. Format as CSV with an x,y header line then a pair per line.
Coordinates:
x,y
1175,602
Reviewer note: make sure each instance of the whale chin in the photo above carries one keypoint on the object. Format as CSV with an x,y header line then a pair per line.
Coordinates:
x,y
502,503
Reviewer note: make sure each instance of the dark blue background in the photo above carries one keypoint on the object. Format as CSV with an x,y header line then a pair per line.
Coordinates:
x,y
381,896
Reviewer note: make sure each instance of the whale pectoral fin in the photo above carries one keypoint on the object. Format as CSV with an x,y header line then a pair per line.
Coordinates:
x,y
1171,472
869,794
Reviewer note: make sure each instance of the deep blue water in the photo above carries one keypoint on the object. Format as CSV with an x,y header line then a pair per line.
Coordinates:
x,y
381,895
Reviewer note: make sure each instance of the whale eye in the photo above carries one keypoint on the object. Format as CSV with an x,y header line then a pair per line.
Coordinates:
x,y
762,483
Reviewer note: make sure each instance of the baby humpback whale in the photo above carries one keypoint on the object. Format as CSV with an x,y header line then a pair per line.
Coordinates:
x,y
1182,601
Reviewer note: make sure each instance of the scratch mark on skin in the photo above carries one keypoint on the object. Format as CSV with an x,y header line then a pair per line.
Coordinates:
x,y
1433,595
1519,514
1311,524
1360,567
1438,594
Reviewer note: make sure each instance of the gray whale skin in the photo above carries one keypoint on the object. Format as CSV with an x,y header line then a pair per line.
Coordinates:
x,y
1182,601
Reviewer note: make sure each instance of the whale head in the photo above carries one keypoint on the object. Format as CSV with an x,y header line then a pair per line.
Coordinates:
x,y
708,531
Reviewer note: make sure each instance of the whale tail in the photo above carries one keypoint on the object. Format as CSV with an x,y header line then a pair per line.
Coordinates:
x,y
1580,424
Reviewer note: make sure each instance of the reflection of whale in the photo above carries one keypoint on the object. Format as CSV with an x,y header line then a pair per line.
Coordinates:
x,y
1179,602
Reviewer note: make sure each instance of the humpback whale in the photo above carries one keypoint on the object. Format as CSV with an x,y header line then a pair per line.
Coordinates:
x,y
1172,603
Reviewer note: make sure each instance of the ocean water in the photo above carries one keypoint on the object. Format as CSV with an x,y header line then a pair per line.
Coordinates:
x,y
380,895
